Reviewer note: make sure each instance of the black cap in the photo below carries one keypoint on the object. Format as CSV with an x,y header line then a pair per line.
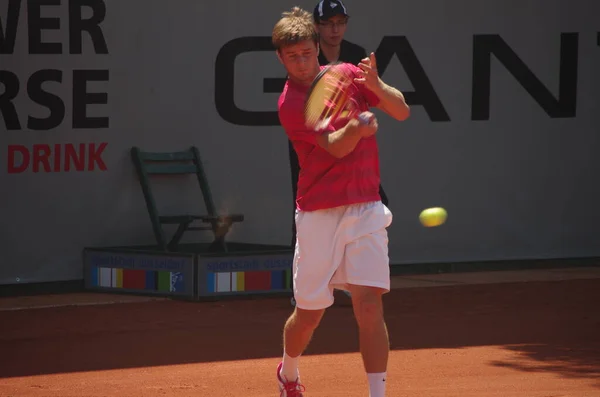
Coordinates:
x,y
326,9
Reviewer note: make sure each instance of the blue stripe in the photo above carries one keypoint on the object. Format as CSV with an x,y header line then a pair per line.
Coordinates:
x,y
277,278
151,280
94,276
210,282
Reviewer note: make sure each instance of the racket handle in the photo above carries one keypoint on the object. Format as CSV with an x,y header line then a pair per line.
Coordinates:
x,y
365,117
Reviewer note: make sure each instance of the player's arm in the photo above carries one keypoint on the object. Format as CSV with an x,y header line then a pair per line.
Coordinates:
x,y
392,101
338,143
389,99
342,142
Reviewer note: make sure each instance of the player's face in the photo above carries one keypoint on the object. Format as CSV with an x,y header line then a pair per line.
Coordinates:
x,y
332,30
300,60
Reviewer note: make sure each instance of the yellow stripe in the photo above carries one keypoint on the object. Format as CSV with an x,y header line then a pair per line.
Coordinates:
x,y
119,278
240,281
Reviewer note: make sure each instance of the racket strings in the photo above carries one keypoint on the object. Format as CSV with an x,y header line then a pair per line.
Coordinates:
x,y
337,84
329,98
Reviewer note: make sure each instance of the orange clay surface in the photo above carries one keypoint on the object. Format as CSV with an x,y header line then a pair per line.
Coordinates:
x,y
532,339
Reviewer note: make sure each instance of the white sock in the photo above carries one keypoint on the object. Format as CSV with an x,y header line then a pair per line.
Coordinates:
x,y
377,384
289,368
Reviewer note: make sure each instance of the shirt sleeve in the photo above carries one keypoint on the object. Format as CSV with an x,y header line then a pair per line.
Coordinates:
x,y
291,118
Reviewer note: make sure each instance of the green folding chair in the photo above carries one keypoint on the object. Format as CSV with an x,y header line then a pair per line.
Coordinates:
x,y
178,163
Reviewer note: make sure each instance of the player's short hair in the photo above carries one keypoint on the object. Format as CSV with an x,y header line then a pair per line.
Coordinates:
x,y
294,27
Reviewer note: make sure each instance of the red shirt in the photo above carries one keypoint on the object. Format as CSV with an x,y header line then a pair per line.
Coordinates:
x,y
326,181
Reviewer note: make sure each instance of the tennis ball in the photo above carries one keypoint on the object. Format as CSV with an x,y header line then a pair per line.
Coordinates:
x,y
431,217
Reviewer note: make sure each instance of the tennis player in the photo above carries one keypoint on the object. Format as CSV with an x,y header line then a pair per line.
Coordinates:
x,y
340,219
331,19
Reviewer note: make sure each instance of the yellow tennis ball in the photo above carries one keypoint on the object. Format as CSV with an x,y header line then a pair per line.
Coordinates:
x,y
431,217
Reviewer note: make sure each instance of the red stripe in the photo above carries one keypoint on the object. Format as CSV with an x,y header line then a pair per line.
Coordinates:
x,y
257,281
134,279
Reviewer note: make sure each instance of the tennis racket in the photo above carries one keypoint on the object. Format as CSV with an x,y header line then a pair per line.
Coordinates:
x,y
328,98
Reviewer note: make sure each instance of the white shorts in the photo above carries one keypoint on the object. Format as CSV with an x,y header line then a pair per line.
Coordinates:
x,y
340,246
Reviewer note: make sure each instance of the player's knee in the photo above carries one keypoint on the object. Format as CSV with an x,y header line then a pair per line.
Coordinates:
x,y
368,314
308,320
368,308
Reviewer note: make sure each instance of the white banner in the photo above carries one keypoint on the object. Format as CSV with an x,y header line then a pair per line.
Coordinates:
x,y
503,131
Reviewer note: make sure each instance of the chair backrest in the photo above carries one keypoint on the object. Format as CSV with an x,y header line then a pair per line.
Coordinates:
x,y
166,163
171,163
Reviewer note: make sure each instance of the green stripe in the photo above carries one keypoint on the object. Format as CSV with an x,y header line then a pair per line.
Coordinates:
x,y
288,278
164,281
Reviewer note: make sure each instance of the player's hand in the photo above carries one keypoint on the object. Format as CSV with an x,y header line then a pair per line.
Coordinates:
x,y
367,126
369,76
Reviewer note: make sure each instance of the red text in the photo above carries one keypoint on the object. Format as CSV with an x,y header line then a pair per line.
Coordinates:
x,y
56,158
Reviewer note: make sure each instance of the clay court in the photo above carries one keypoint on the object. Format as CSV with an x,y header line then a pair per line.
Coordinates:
x,y
450,336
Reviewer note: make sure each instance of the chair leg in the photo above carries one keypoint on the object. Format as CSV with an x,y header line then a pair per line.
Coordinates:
x,y
177,236
220,230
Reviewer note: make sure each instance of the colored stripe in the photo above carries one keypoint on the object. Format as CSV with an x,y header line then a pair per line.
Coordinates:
x,y
105,277
223,282
113,277
119,277
94,276
277,279
237,281
234,277
151,280
257,281
164,281
240,282
210,282
134,279
288,279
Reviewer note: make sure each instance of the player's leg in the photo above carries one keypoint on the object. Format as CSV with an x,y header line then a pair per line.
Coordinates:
x,y
373,336
366,274
317,255
297,333
368,281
